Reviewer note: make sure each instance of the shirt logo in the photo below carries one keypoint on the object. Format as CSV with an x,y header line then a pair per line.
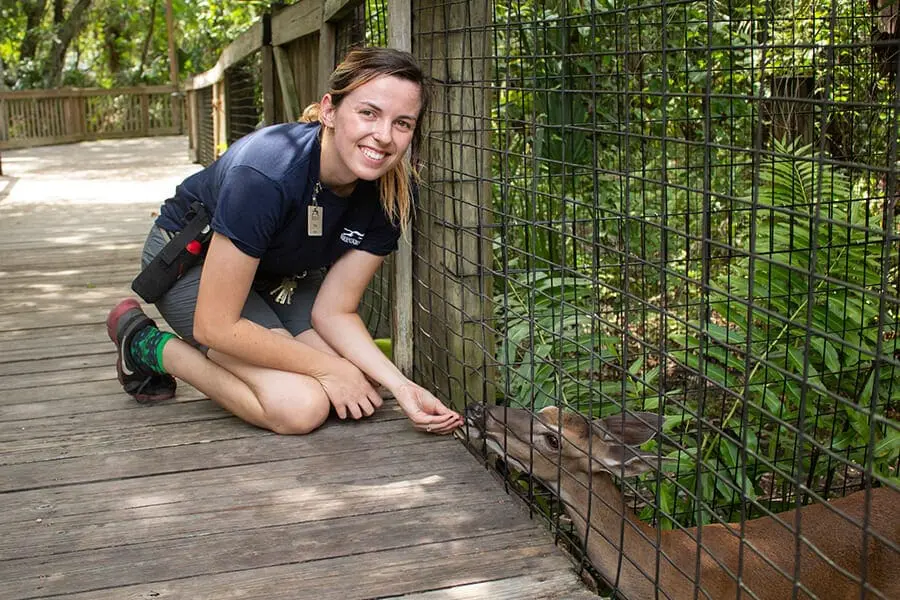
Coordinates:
x,y
351,237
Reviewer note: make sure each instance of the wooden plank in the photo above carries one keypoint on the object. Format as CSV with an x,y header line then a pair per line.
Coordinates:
x,y
400,37
182,492
267,60
66,391
181,512
43,432
53,318
28,279
301,571
75,297
64,336
83,258
66,363
243,46
335,10
231,550
102,433
67,92
36,432
327,43
296,21
4,122
286,81
212,448
556,585
51,349
117,400
20,383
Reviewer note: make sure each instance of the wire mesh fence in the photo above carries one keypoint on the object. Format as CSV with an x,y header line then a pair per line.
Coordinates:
x,y
205,143
244,97
692,212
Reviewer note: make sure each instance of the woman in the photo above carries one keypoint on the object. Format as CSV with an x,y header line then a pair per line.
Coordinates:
x,y
283,342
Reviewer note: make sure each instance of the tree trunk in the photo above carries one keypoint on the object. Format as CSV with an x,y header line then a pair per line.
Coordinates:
x,y
66,32
146,46
34,14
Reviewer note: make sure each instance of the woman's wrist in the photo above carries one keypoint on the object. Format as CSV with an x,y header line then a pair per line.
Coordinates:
x,y
396,383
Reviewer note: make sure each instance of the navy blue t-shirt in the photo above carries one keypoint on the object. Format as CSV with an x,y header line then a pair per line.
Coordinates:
x,y
258,193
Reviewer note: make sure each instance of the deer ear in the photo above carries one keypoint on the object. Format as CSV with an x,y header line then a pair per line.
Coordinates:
x,y
625,461
630,429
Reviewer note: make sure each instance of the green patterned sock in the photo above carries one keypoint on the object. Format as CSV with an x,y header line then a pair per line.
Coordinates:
x,y
147,347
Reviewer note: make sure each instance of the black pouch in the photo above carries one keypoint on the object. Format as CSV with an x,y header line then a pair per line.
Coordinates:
x,y
182,252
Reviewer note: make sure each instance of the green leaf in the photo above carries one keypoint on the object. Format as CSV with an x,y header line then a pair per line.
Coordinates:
x,y
828,353
889,446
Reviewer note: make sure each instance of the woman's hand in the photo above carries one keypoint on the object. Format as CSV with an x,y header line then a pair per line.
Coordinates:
x,y
348,390
425,411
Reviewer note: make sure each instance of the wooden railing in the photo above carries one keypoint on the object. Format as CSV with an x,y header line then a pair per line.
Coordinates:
x,y
41,117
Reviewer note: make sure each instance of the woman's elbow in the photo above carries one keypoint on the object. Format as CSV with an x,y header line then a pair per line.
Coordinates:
x,y
316,316
204,332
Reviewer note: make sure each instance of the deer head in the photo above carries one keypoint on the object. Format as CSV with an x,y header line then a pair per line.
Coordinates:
x,y
556,443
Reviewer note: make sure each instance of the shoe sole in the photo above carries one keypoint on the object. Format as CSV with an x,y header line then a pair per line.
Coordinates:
x,y
141,398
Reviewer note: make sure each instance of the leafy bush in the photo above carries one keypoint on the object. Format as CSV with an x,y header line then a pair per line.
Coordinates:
x,y
794,337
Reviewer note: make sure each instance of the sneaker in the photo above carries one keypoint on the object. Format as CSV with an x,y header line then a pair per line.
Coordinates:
x,y
143,384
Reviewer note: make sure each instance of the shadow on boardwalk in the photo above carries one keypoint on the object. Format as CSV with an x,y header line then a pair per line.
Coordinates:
x,y
107,499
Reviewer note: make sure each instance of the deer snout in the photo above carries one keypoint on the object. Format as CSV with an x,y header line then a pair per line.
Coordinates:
x,y
475,412
475,420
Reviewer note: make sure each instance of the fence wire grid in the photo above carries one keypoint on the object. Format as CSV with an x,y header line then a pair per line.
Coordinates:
x,y
682,208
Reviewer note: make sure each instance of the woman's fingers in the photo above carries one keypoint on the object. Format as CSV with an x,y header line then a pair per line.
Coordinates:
x,y
440,424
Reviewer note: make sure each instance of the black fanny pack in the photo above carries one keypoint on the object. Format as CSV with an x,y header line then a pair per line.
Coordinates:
x,y
183,251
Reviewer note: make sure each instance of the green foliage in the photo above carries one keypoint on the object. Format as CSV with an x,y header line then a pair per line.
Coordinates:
x,y
795,332
123,42
548,334
624,184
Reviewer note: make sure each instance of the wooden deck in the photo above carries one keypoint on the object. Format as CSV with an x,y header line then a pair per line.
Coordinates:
x,y
103,498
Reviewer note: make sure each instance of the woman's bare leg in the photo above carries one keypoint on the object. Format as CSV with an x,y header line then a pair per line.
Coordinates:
x,y
280,401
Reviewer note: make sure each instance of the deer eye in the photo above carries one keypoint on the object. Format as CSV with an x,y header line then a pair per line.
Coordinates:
x,y
552,441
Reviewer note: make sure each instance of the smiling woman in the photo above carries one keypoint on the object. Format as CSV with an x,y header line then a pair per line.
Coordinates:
x,y
259,262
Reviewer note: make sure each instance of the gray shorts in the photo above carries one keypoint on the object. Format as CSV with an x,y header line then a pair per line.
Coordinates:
x,y
178,304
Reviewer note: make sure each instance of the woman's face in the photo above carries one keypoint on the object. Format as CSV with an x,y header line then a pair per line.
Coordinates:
x,y
371,129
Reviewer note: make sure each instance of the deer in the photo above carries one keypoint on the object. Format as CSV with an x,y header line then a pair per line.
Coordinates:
x,y
578,458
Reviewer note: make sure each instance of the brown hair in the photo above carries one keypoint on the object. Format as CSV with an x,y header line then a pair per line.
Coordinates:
x,y
359,67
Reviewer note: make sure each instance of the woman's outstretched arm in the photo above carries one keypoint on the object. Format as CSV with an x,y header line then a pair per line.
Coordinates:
x,y
224,285
336,320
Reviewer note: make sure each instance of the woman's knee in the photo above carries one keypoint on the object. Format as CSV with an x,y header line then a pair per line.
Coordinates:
x,y
295,412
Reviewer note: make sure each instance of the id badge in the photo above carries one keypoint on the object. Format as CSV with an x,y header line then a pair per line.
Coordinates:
x,y
314,220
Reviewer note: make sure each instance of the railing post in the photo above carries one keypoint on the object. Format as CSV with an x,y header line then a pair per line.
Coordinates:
x,y
193,127
453,257
220,138
327,41
4,122
400,37
81,113
145,113
286,80
267,59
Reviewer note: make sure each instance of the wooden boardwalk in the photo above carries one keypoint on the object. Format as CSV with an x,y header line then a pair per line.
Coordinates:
x,y
106,499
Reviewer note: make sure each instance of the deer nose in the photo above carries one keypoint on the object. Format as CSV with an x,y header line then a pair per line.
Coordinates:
x,y
475,412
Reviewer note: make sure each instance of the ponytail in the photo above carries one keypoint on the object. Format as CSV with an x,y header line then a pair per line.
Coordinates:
x,y
310,113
